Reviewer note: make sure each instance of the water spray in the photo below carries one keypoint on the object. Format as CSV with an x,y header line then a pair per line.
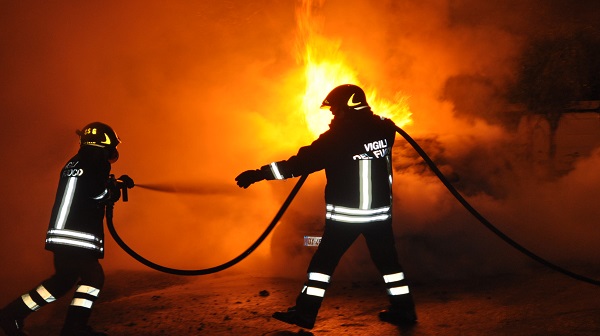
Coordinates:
x,y
187,188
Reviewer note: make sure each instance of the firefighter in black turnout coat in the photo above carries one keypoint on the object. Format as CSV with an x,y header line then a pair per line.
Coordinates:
x,y
76,234
356,155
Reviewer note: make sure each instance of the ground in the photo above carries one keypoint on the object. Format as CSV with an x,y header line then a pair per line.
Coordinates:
x,y
231,303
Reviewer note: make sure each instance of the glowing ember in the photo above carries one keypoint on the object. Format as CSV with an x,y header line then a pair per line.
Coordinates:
x,y
326,68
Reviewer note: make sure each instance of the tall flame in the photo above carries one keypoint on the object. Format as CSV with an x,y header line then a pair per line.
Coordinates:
x,y
326,68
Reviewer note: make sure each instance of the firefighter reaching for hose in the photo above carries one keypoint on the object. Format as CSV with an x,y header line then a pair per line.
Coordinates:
x,y
76,234
356,155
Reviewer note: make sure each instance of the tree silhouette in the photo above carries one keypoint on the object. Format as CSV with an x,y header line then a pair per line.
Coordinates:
x,y
554,73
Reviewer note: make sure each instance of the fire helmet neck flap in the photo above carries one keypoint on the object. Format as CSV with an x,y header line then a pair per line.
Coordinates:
x,y
346,96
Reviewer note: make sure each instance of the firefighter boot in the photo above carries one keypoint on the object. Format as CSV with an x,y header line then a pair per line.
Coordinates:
x,y
296,317
399,317
76,323
10,325
81,331
401,311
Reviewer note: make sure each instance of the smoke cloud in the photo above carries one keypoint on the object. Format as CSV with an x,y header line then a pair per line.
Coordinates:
x,y
200,91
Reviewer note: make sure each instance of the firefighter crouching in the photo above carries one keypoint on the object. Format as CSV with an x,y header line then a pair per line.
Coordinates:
x,y
356,155
76,234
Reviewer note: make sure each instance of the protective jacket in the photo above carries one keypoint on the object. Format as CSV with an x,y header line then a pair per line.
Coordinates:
x,y
356,155
78,213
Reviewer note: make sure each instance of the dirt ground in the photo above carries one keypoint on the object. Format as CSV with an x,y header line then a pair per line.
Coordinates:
x,y
229,303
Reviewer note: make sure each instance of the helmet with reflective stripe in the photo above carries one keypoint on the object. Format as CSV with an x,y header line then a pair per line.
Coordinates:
x,y
347,96
98,134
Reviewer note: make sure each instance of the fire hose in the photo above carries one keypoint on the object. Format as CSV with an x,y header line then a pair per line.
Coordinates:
x,y
215,269
287,202
483,220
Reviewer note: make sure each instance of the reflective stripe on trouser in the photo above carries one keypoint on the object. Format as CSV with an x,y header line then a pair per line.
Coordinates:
x,y
398,291
37,298
395,284
310,299
85,296
316,285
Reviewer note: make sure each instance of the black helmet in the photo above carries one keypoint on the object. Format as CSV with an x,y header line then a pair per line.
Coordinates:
x,y
346,96
99,135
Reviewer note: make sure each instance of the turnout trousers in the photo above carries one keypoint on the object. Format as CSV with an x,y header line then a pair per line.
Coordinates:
x,y
71,269
337,238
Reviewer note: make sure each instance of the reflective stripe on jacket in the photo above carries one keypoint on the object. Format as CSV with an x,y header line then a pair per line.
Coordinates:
x,y
77,219
356,156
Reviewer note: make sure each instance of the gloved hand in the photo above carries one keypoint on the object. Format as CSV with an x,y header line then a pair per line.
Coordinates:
x,y
114,192
245,179
126,181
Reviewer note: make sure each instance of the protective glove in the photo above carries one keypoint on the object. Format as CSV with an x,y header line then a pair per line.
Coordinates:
x,y
245,179
114,192
125,180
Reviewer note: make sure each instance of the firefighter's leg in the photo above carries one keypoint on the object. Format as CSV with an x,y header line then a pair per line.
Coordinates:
x,y
47,292
381,244
86,293
337,238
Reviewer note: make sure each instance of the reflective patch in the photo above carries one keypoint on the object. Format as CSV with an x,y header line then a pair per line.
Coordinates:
x,y
78,302
364,175
353,215
73,242
348,219
74,234
88,290
65,204
29,302
398,290
393,277
355,211
102,195
275,171
314,291
43,292
319,277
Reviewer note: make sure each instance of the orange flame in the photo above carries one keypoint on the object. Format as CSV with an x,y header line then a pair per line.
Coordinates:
x,y
326,68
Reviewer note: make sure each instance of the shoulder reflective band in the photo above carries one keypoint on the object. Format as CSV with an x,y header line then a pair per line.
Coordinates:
x,y
275,171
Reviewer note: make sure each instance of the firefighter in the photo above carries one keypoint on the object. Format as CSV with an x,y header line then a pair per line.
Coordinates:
x,y
76,234
356,155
